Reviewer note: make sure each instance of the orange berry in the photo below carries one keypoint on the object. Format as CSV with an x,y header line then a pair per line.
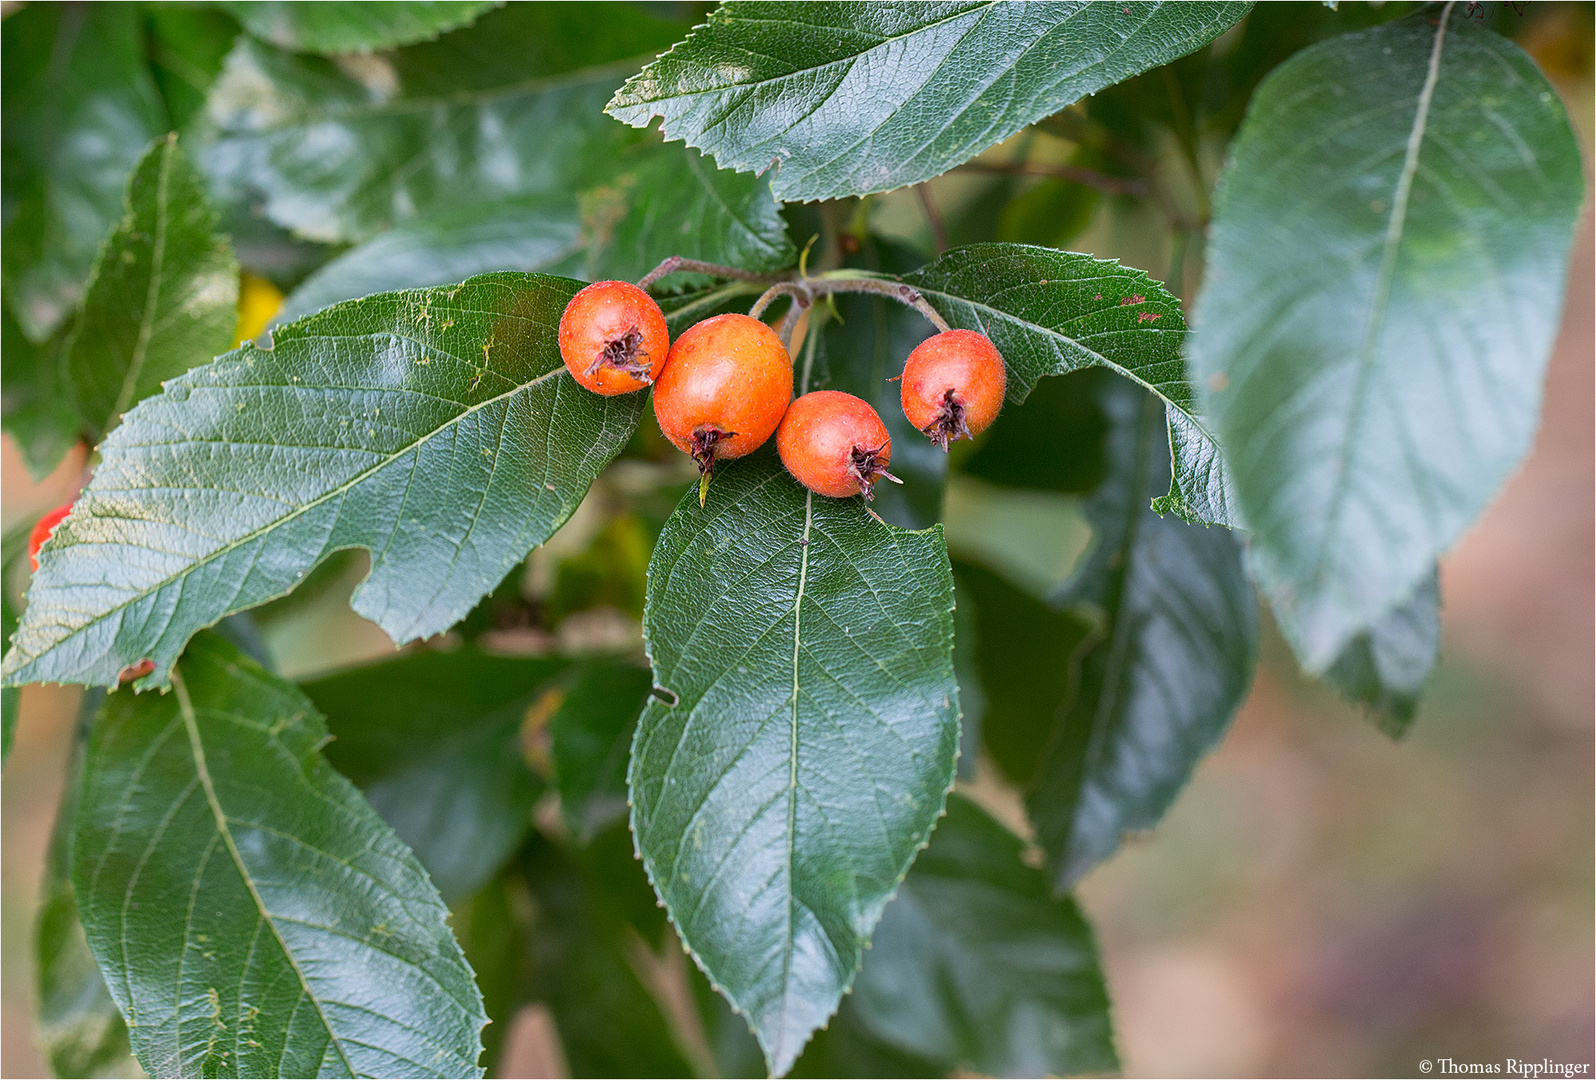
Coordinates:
x,y
613,338
724,389
953,385
834,444
42,530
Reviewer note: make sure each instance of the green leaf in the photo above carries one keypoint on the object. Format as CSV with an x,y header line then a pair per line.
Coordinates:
x,y
1385,667
591,734
438,428
1384,280
850,99
339,28
1025,657
510,107
489,927
79,1028
38,415
163,296
976,967
585,958
187,45
1051,312
539,233
1173,654
80,108
253,916
432,739
669,200
661,201
1053,441
779,801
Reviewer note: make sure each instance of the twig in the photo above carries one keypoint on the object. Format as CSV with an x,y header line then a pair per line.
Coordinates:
x,y
695,266
789,321
794,289
896,290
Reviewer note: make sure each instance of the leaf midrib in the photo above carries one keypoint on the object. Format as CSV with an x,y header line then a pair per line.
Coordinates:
x,y
283,520
792,767
1380,306
196,746
152,294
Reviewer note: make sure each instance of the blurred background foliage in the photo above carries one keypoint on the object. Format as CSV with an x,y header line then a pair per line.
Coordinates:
x,y
1319,901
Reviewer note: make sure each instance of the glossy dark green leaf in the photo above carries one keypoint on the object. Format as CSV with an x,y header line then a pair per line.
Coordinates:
x,y
163,296
509,107
780,799
665,200
977,967
1051,312
1175,645
1385,667
437,428
341,28
659,201
848,99
79,1028
1053,441
80,107
591,736
1385,277
585,963
433,741
253,916
1025,655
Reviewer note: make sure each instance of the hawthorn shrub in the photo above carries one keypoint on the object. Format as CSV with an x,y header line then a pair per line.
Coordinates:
x,y
369,870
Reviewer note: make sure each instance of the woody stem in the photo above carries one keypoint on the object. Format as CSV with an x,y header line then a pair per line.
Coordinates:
x,y
695,266
805,291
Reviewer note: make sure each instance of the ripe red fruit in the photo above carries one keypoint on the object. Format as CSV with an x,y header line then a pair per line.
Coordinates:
x,y
613,338
953,386
724,390
41,532
834,444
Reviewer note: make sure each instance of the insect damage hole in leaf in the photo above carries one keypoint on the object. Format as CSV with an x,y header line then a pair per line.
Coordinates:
x,y
438,428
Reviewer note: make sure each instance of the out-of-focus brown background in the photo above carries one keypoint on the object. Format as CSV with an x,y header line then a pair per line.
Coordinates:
x,y
1320,902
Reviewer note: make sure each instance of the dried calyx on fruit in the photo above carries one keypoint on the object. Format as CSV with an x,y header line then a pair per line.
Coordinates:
x,y
834,444
723,391
953,385
613,338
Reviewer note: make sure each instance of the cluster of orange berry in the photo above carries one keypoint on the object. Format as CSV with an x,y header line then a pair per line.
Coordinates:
x,y
725,386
